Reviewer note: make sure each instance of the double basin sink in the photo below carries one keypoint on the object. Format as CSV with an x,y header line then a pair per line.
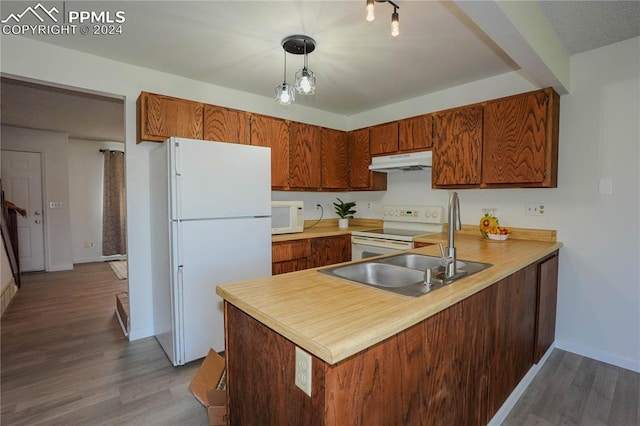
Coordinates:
x,y
403,274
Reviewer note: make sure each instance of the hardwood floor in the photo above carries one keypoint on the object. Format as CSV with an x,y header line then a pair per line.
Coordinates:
x,y
573,390
65,360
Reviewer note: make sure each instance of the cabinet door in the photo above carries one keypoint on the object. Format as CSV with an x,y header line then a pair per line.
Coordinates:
x,y
274,133
547,299
305,151
514,332
415,133
226,125
517,140
360,178
330,250
384,138
335,159
160,117
457,147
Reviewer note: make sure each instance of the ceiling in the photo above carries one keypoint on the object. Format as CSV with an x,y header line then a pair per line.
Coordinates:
x,y
358,65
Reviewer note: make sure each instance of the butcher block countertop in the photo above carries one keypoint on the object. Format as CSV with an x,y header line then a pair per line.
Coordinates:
x,y
334,319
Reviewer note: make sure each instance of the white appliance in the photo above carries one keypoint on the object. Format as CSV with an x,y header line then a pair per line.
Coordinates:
x,y
402,162
400,225
287,217
210,225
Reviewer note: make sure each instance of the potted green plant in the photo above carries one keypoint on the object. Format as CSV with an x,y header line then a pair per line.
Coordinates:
x,y
345,211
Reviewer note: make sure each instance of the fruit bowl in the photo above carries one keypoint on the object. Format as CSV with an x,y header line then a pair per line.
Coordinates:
x,y
498,237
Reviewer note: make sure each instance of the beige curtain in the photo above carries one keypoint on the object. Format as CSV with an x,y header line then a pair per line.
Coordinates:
x,y
114,219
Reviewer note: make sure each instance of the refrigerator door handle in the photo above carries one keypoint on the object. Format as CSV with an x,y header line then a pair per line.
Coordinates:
x,y
180,355
177,158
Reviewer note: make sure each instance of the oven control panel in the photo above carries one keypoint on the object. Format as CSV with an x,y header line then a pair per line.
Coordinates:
x,y
415,214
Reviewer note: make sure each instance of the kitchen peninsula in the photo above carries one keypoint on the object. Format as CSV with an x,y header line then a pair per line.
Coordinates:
x,y
451,356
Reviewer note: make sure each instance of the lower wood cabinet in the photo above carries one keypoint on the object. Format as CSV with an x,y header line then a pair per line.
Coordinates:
x,y
296,255
454,368
330,250
547,299
289,256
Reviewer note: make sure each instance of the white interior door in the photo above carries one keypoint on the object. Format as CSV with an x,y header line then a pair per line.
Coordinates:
x,y
22,185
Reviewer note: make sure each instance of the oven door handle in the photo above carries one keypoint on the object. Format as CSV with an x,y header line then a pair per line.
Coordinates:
x,y
379,242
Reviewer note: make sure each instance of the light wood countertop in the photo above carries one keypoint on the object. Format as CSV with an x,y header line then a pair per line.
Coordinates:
x,y
334,319
327,228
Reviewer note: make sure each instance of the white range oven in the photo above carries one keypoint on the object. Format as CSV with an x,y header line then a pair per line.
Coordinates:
x,y
401,224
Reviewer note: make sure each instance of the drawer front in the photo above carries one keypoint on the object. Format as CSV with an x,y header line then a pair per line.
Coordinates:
x,y
289,250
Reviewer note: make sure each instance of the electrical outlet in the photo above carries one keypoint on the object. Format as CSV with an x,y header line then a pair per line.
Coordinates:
x,y
369,205
303,371
534,209
318,207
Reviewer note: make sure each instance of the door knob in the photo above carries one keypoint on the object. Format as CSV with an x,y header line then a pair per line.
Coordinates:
x,y
38,221
37,213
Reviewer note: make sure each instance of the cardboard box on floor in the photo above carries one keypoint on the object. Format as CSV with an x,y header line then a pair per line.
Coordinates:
x,y
204,387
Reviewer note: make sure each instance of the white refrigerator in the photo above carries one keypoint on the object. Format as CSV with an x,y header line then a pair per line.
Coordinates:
x,y
210,225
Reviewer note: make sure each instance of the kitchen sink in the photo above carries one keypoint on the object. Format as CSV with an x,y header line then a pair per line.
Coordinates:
x,y
403,273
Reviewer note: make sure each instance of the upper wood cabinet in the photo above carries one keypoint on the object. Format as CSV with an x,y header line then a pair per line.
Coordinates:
x,y
383,138
520,144
360,177
274,133
226,125
457,147
304,154
415,133
160,117
335,159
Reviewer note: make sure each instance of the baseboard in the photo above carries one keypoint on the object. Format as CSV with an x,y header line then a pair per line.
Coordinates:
x,y
511,401
606,357
100,259
66,267
122,326
141,334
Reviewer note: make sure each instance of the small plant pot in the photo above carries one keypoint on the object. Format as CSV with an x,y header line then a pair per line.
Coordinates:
x,y
343,223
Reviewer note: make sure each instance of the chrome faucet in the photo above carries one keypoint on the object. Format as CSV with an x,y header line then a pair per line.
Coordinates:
x,y
454,223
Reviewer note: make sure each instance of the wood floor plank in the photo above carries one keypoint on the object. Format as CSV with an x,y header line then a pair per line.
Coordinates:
x,y
65,361
574,390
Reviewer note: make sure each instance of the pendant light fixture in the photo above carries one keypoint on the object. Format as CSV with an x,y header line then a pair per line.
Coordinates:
x,y
285,94
305,79
395,19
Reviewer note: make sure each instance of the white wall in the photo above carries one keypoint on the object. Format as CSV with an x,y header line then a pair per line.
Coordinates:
x,y
53,148
86,164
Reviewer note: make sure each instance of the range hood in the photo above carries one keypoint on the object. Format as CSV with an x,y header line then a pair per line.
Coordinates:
x,y
401,162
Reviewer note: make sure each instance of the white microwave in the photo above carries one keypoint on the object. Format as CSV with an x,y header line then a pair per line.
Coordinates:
x,y
287,217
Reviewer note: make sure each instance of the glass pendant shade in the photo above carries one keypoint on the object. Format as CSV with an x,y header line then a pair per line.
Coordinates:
x,y
305,82
285,94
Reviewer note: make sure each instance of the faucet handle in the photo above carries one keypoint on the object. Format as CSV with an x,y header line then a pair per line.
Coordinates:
x,y
427,277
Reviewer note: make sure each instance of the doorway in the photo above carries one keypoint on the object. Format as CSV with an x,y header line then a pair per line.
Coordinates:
x,y
82,125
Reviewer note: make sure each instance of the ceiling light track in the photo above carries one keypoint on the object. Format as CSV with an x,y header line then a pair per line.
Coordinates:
x,y
395,17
